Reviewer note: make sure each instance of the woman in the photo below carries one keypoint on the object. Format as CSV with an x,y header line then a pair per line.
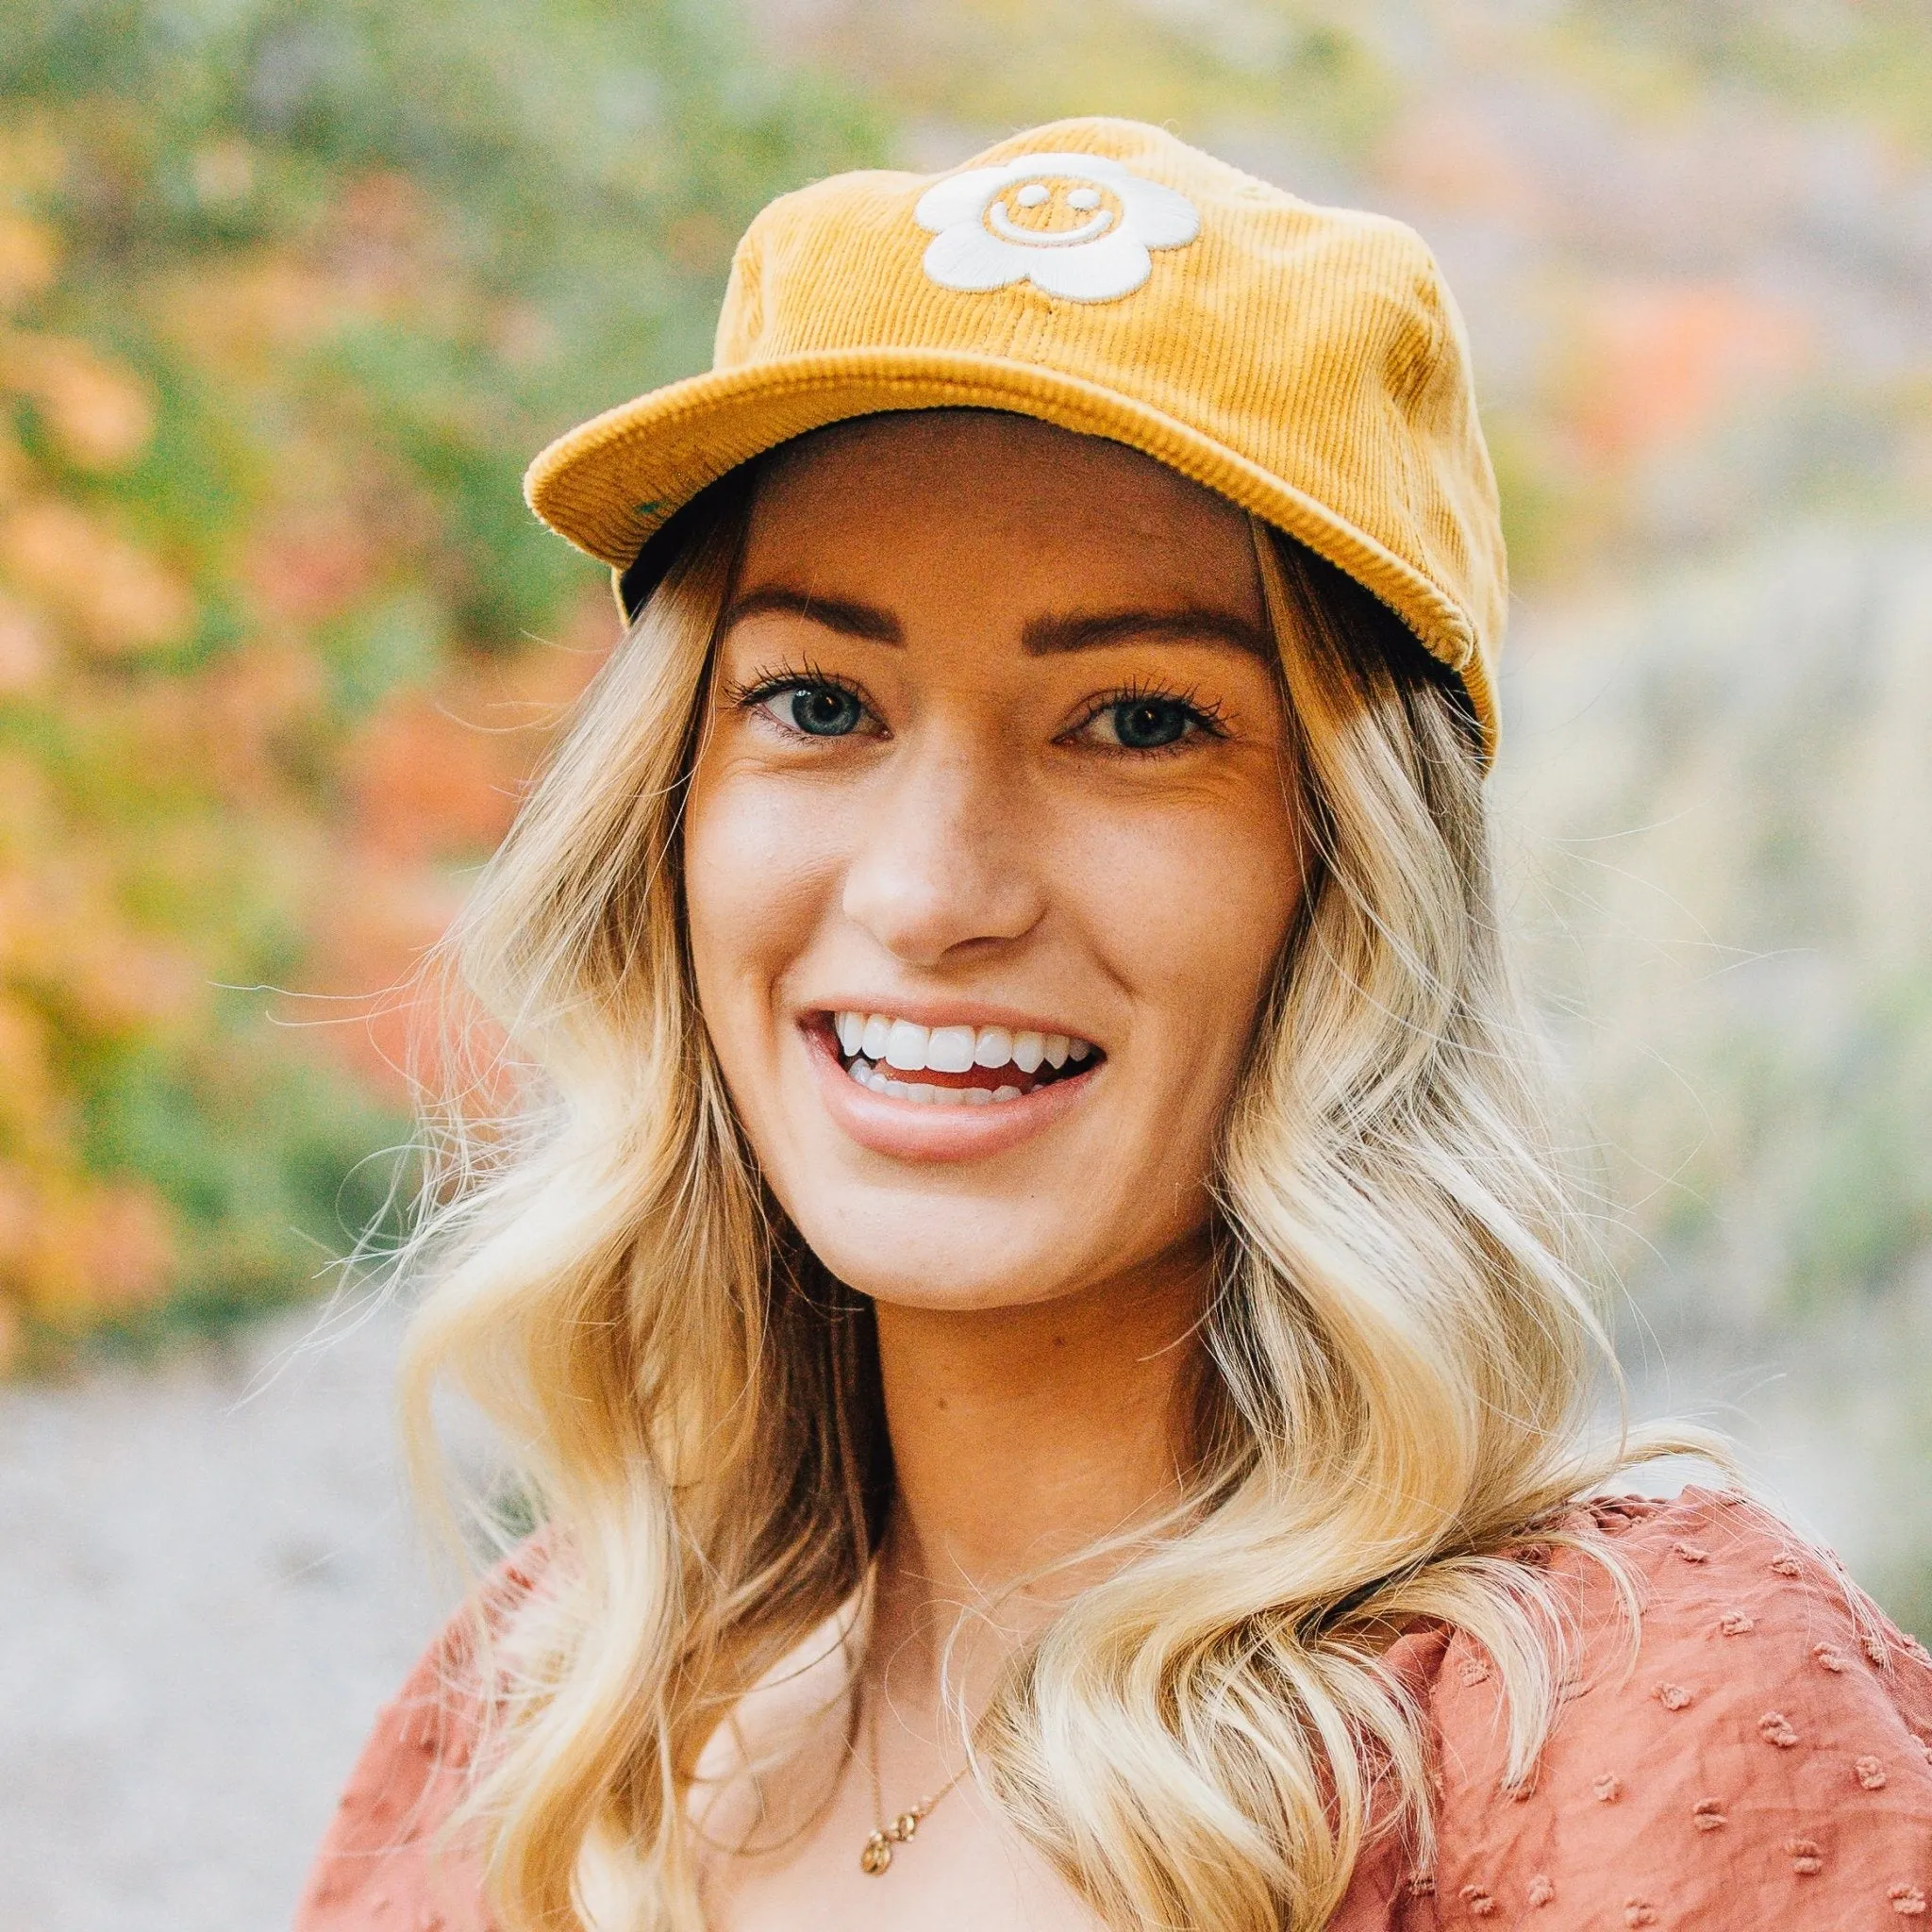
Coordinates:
x,y
1031,1286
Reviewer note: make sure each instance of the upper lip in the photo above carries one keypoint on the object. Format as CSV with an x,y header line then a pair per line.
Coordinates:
x,y
945,1012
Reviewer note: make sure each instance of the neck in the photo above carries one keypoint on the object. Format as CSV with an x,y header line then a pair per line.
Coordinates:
x,y
1020,1437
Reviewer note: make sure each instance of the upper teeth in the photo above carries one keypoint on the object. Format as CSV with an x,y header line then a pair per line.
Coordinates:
x,y
911,1047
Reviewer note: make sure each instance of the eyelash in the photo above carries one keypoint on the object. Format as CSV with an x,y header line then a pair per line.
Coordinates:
x,y
1203,713
764,685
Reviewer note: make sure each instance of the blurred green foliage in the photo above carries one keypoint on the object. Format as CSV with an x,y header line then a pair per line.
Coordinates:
x,y
1725,781
1869,59
983,67
289,292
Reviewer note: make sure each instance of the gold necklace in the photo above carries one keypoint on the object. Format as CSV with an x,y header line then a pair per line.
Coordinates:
x,y
876,1859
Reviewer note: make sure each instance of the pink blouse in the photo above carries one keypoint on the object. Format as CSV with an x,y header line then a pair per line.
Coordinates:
x,y
1767,1761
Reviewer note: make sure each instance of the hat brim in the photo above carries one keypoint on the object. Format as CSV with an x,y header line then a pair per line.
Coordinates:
x,y
610,484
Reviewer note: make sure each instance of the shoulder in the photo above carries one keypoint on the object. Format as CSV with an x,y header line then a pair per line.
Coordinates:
x,y
387,1857
1755,1749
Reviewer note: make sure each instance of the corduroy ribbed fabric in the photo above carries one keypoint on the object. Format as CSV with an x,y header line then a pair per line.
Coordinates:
x,y
1307,364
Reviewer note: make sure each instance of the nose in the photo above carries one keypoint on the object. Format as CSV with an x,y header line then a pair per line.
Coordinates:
x,y
948,858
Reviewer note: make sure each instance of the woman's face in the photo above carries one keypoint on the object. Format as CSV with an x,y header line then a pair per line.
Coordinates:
x,y
988,852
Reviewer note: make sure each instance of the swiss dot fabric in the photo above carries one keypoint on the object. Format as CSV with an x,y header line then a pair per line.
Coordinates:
x,y
1765,1760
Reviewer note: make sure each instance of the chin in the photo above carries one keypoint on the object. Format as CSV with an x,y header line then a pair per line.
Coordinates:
x,y
943,1251
942,1259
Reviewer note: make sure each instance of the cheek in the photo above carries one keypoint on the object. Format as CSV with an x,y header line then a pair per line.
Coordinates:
x,y
756,883
1192,906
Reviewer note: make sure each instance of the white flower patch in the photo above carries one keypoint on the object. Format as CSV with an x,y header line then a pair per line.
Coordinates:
x,y
1075,226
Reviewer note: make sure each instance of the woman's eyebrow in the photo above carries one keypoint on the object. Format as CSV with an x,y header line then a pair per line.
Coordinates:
x,y
1040,636
836,613
1046,636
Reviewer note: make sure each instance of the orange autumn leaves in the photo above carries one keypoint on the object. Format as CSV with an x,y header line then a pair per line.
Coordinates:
x,y
72,581
166,810
433,774
287,300
72,577
99,411
104,592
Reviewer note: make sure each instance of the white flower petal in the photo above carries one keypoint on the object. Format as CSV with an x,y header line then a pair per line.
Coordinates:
x,y
958,197
966,256
1100,271
1161,217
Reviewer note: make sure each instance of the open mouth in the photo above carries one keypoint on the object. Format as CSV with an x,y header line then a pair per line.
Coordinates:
x,y
955,1066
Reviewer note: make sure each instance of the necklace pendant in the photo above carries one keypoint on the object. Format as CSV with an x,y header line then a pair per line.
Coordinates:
x,y
902,1827
876,1856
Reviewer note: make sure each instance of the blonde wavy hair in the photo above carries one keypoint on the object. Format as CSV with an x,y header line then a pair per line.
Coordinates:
x,y
1396,1364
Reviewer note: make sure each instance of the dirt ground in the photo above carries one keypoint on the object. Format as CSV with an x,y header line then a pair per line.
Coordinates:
x,y
211,1582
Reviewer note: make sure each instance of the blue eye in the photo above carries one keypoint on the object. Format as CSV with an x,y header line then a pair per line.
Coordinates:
x,y
1145,724
820,711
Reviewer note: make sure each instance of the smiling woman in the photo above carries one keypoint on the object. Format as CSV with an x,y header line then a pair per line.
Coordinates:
x,y
995,756
1032,1287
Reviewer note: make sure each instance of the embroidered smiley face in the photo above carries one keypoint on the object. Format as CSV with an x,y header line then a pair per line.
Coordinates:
x,y
1079,226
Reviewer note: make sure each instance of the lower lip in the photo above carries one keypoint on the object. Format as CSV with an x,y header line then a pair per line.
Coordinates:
x,y
913,1131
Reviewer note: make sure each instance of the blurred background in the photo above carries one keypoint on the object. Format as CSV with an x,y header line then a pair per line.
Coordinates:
x,y
290,291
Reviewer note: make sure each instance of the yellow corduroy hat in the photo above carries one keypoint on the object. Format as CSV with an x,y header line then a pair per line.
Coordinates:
x,y
1307,364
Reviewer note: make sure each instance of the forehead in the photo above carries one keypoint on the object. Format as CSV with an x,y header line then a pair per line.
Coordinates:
x,y
1001,500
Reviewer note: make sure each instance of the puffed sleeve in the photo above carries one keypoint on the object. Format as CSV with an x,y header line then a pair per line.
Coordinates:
x,y
387,1863
1765,1760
